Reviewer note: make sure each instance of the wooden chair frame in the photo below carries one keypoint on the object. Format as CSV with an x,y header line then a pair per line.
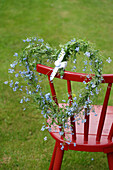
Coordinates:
x,y
100,141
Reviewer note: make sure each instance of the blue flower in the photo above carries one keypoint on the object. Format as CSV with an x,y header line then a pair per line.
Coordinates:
x,y
30,92
109,60
74,104
90,63
21,101
61,133
16,75
28,40
74,67
28,69
93,86
85,62
62,147
91,93
11,71
84,69
68,143
47,96
12,65
80,95
87,54
41,40
64,100
88,76
44,116
16,83
16,55
73,40
35,39
84,82
42,112
45,138
11,83
77,49
74,144
6,82
84,120
27,99
74,61
86,87
15,88
75,98
96,61
43,128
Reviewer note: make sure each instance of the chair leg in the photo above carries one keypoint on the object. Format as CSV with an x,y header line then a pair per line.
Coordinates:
x,y
53,157
58,159
110,160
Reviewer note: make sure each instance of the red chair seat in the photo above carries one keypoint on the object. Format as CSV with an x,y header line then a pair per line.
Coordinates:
x,y
91,144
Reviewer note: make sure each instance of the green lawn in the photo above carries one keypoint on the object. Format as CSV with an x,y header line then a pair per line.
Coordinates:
x,y
21,140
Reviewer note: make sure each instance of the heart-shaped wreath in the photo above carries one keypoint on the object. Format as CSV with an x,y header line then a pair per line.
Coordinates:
x,y
39,52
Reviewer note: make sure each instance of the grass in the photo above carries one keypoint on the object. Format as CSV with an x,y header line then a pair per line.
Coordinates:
x,y
21,141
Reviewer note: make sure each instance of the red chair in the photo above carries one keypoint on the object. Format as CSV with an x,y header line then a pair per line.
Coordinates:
x,y
95,135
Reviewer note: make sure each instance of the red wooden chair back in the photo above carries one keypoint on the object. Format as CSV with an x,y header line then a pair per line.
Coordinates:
x,y
80,77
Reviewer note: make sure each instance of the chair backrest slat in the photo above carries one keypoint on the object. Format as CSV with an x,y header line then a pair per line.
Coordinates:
x,y
54,98
69,92
86,126
78,77
70,103
110,133
53,91
103,113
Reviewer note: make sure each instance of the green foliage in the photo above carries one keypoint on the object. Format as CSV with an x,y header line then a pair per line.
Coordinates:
x,y
39,52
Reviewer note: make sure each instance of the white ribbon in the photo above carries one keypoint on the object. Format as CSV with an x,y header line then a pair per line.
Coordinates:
x,y
58,64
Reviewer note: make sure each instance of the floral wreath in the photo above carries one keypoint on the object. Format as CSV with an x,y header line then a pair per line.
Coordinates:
x,y
39,52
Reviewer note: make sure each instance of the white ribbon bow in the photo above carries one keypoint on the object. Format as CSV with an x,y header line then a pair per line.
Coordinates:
x,y
58,64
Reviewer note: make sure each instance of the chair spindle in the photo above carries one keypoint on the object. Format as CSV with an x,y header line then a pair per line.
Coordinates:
x,y
53,91
103,113
110,133
86,126
70,103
